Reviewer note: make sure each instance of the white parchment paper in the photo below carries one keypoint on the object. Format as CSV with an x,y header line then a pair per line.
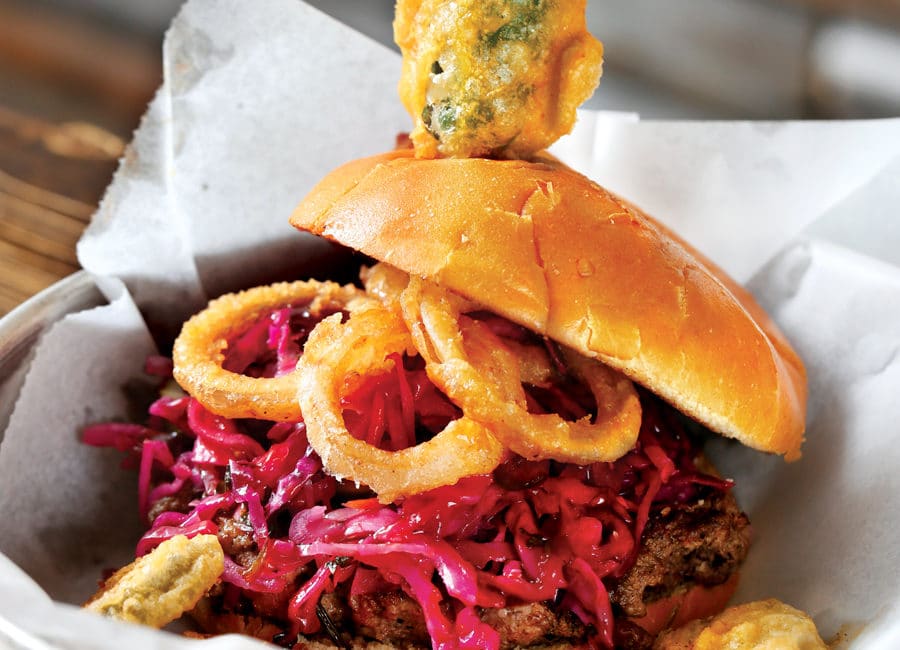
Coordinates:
x,y
260,100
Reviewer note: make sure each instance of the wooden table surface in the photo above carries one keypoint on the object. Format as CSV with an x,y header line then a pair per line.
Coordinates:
x,y
52,177
69,81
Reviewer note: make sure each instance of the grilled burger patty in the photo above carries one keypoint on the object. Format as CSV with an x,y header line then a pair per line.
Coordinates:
x,y
701,542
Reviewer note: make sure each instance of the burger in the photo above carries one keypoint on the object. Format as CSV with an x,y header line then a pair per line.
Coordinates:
x,y
493,437
542,248
494,442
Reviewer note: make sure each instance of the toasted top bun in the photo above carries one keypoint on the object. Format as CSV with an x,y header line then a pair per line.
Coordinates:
x,y
545,247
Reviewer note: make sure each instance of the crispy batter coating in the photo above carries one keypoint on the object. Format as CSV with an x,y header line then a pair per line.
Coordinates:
x,y
200,349
159,587
497,78
762,625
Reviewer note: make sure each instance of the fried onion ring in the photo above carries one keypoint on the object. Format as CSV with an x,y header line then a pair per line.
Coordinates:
x,y
338,355
199,350
385,282
487,387
535,367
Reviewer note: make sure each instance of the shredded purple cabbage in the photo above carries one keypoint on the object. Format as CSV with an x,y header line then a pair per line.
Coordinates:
x,y
531,531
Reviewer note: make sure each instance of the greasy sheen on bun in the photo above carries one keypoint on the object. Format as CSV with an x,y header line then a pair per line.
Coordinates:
x,y
545,247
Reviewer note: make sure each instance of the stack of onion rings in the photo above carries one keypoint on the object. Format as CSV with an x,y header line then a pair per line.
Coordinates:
x,y
480,372
488,388
200,349
336,355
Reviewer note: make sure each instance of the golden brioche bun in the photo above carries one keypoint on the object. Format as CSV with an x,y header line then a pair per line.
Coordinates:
x,y
543,246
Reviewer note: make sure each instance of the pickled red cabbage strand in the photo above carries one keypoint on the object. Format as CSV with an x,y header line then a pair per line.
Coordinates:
x,y
528,532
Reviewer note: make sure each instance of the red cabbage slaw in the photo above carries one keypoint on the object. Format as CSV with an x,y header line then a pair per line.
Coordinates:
x,y
528,532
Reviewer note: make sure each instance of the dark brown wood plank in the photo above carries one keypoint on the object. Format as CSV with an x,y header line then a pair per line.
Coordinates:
x,y
51,178
38,229
72,160
23,273
45,198
72,89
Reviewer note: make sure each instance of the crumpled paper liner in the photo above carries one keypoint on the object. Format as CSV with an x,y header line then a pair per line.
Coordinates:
x,y
260,100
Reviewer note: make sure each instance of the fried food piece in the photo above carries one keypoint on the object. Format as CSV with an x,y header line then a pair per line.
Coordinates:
x,y
159,587
762,625
483,377
499,78
200,349
360,346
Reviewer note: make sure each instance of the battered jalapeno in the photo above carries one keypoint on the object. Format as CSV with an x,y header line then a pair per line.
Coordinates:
x,y
496,78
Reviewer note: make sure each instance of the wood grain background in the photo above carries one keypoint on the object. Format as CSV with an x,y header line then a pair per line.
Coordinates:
x,y
71,92
51,179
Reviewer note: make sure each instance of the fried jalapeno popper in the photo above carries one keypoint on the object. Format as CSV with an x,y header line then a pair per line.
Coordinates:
x,y
160,586
491,442
497,78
